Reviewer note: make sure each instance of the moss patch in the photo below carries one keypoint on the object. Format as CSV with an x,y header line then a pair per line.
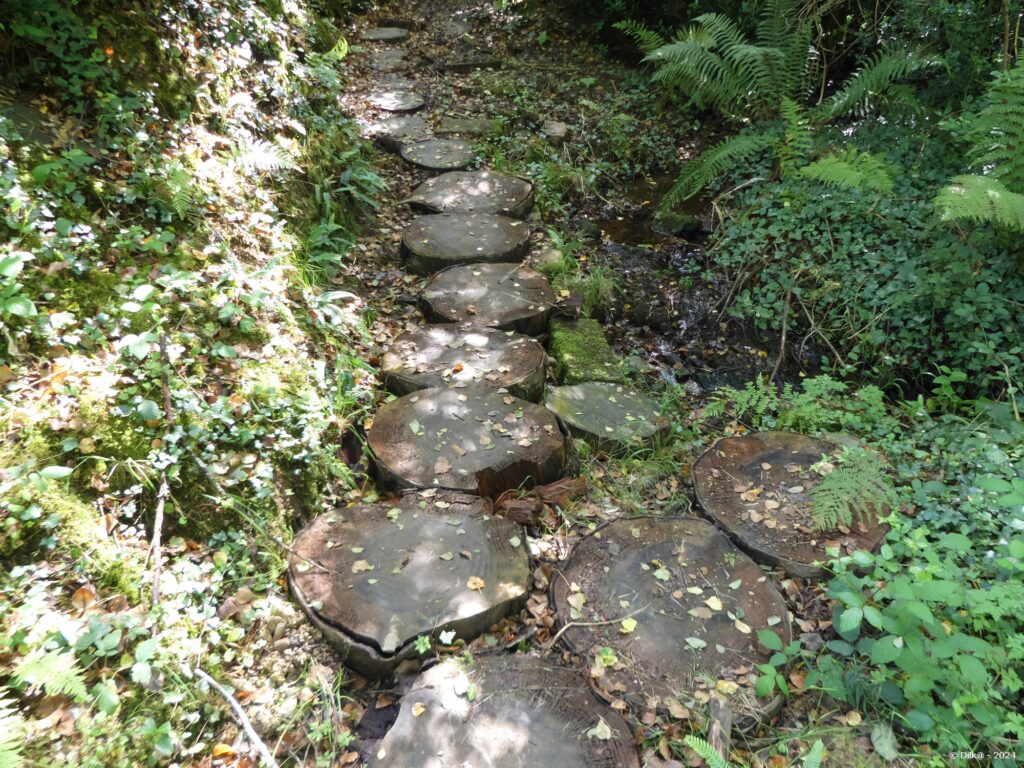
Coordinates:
x,y
582,353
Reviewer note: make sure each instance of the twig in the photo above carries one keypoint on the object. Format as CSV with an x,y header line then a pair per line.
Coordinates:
x,y
565,627
782,340
720,733
243,720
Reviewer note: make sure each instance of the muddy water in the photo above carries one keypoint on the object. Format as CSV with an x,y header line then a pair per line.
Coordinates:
x,y
670,309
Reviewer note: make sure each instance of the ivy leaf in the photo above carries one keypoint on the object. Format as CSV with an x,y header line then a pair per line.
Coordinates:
x,y
148,410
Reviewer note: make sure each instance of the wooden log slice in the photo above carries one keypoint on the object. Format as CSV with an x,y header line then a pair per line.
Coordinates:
x,y
375,577
474,192
470,126
504,712
396,100
395,132
473,440
757,487
435,242
698,603
385,34
610,417
439,154
458,356
507,296
388,60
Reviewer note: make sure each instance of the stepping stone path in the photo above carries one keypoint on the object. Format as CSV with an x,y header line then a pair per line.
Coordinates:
x,y
385,34
464,355
395,132
435,242
505,712
473,440
757,487
507,296
611,417
396,101
474,192
375,577
654,606
680,603
439,154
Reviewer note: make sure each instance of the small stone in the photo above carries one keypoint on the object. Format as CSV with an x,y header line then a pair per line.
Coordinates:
x,y
555,131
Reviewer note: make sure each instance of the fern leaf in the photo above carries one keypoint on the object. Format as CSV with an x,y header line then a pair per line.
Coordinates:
x,y
646,38
261,157
998,131
851,170
706,752
796,142
813,758
55,672
339,51
858,489
715,162
982,199
11,736
871,81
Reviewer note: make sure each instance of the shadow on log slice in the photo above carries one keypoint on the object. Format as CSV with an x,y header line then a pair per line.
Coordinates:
x,y
373,578
504,712
458,356
388,60
506,296
474,192
610,417
473,440
757,488
436,242
439,154
396,101
395,132
698,603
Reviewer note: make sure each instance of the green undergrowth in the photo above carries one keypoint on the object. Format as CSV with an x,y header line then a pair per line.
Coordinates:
x,y
177,332
582,353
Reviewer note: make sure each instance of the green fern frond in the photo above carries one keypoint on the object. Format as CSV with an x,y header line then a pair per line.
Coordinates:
x,y
797,139
851,170
858,488
874,79
706,752
981,199
645,38
715,162
55,672
180,186
702,73
997,132
720,30
813,758
11,736
783,29
338,51
261,157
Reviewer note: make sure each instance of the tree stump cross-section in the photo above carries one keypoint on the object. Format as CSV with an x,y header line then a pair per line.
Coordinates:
x,y
435,242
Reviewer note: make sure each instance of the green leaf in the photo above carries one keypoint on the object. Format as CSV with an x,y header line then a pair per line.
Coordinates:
x,y
884,742
919,721
769,639
764,686
885,650
144,651
148,410
972,669
142,673
848,625
55,472
105,697
19,306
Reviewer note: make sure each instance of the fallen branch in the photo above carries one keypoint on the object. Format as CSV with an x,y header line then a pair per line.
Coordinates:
x,y
782,341
254,739
567,626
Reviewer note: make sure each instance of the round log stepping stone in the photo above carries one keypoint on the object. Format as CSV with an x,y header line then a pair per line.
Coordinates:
x,y
610,417
388,60
473,440
684,607
474,192
396,100
385,34
395,132
507,296
505,712
470,126
434,242
464,355
757,487
373,578
439,154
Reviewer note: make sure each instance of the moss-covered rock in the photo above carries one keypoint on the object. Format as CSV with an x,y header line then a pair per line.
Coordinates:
x,y
582,353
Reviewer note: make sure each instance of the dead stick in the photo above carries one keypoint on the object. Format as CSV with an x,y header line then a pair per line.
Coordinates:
x,y
250,732
782,340
562,631
720,732
156,549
